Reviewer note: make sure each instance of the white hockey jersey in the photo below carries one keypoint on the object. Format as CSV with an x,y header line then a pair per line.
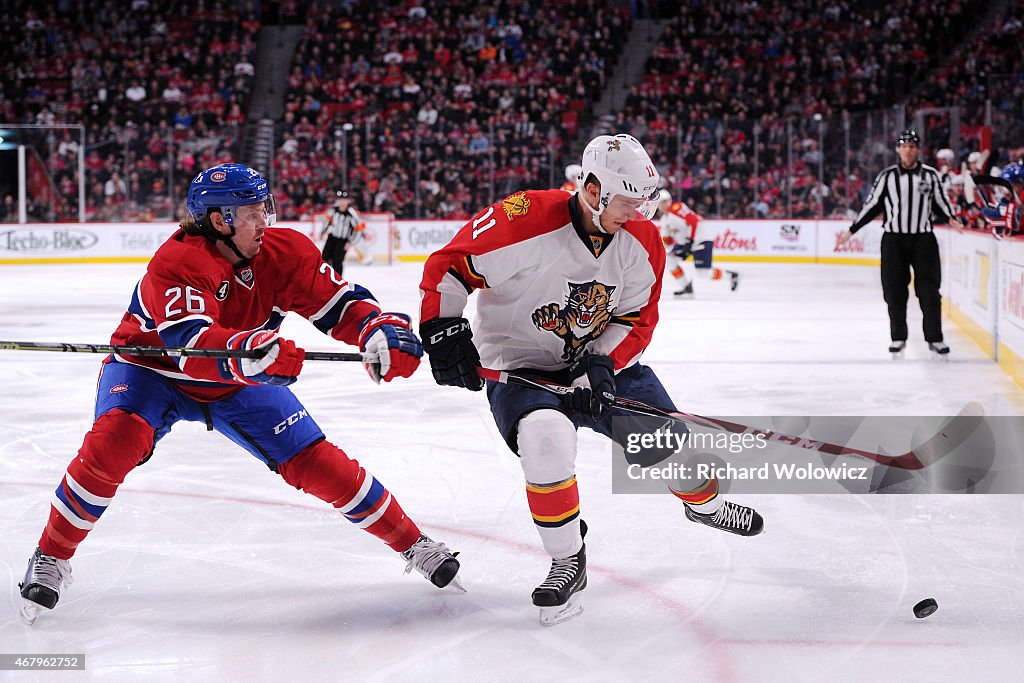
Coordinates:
x,y
680,223
548,291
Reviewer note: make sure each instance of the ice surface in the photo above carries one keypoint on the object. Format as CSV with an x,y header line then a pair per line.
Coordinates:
x,y
208,568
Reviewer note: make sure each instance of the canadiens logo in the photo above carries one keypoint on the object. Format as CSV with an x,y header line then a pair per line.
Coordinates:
x,y
118,388
515,205
222,290
218,176
586,314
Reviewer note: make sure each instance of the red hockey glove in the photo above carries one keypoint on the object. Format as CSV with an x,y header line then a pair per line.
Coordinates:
x,y
280,365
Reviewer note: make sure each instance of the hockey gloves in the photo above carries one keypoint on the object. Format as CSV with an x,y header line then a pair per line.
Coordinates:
x,y
593,381
279,364
453,357
683,249
390,347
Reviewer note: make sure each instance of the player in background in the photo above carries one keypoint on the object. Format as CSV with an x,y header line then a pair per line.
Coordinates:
x,y
568,292
343,229
681,229
947,171
572,176
224,280
1005,216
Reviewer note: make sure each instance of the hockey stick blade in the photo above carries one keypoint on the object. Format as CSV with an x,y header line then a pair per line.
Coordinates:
x,y
169,351
940,445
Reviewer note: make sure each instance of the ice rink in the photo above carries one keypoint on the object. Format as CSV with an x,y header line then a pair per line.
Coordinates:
x,y
208,568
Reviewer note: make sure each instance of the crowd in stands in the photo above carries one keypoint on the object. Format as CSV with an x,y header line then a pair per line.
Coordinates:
x,y
735,93
434,109
450,103
160,88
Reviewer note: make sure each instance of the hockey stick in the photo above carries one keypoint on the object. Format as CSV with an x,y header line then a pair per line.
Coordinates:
x,y
982,180
170,351
946,440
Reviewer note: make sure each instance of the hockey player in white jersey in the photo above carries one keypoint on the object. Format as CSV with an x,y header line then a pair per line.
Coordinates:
x,y
685,235
568,292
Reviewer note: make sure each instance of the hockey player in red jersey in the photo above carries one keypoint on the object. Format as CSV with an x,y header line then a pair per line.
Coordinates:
x,y
568,292
224,280
685,236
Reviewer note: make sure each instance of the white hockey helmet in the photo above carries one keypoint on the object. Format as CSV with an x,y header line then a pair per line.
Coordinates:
x,y
572,173
945,154
664,196
622,166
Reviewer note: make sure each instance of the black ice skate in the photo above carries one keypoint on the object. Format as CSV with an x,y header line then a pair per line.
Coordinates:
x,y
40,589
730,517
896,349
558,597
434,561
734,280
686,292
941,349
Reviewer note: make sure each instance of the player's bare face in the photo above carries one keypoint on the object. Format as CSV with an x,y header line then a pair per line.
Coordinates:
x,y
619,210
250,222
908,154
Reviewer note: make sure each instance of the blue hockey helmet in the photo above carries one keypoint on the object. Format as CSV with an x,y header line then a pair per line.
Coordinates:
x,y
1014,172
224,188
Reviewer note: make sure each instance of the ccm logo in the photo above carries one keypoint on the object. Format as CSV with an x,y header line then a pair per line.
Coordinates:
x,y
289,421
439,336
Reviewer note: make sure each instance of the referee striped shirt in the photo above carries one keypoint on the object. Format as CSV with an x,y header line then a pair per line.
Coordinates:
x,y
908,199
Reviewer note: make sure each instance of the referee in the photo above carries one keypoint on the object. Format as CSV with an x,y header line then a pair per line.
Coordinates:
x,y
339,226
908,193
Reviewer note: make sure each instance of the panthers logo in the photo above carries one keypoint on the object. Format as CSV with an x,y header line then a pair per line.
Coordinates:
x,y
515,205
586,314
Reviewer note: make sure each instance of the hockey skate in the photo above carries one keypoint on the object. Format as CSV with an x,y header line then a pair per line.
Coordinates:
x,y
434,561
941,350
896,348
559,596
731,517
686,292
40,589
734,280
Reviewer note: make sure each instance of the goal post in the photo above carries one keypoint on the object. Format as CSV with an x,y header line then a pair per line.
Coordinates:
x,y
374,244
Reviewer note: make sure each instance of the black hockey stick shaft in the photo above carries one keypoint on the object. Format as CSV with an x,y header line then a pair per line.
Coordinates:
x,y
937,447
168,351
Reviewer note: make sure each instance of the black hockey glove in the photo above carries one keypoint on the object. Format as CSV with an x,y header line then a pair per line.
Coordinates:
x,y
593,379
453,357
683,249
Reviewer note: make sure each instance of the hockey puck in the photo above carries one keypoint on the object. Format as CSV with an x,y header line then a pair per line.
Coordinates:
x,y
925,608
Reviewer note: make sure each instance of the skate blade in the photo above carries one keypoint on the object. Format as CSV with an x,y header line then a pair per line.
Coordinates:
x,y
551,616
941,357
898,355
30,611
456,585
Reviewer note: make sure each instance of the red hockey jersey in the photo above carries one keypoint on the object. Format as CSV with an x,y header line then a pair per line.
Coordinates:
x,y
192,296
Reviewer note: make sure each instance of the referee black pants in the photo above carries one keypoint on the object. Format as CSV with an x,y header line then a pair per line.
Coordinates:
x,y
900,254
334,252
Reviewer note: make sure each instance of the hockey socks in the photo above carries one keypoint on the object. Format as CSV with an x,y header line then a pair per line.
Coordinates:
x,y
556,509
116,444
323,470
